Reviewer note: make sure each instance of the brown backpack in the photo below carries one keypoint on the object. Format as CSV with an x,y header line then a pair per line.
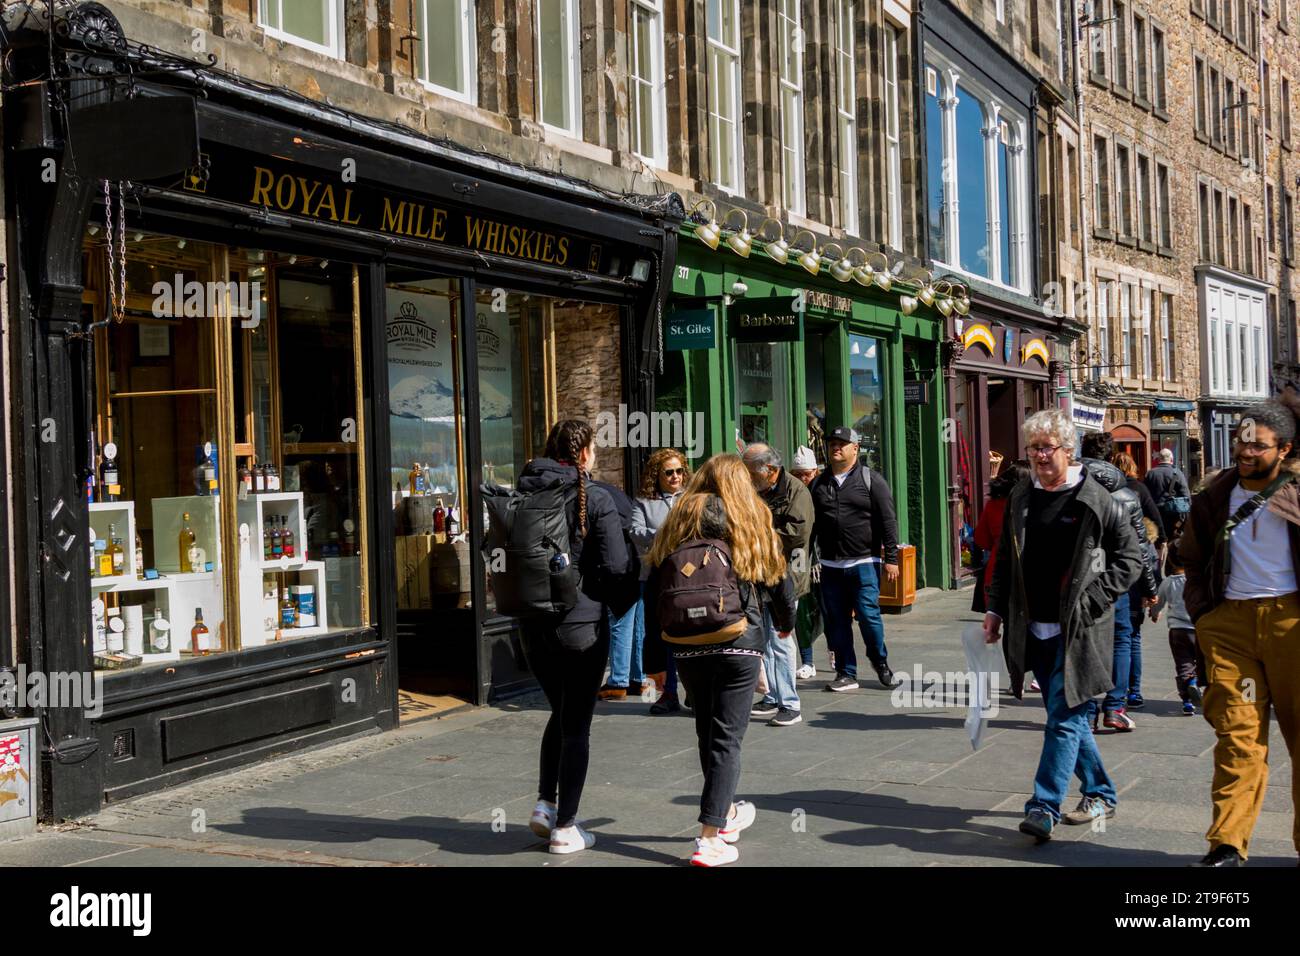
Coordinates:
x,y
700,599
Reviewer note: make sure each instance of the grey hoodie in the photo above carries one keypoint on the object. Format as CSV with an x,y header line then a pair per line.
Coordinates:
x,y
648,516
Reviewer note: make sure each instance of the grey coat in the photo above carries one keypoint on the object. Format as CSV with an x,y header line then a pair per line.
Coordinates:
x,y
1106,563
648,516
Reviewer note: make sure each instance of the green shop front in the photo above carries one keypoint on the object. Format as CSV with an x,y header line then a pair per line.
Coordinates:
x,y
759,350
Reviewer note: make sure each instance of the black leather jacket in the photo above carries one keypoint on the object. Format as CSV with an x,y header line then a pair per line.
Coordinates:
x,y
1112,479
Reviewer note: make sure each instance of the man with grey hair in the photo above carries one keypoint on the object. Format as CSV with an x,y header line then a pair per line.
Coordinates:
x,y
1067,553
1168,486
792,517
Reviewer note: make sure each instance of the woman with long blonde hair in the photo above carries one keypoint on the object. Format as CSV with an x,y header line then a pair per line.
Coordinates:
x,y
720,505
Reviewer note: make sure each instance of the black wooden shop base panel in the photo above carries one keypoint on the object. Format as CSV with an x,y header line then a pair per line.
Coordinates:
x,y
229,725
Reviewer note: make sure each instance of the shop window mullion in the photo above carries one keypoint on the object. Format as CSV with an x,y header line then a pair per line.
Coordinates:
x,y
222,332
362,512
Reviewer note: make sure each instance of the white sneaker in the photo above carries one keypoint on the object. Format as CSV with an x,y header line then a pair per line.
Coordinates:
x,y
806,672
571,839
714,852
542,822
742,819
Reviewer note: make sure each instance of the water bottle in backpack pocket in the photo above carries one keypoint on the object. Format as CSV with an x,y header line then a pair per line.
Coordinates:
x,y
527,542
700,598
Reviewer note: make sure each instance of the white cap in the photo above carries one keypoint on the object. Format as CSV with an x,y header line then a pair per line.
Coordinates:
x,y
804,460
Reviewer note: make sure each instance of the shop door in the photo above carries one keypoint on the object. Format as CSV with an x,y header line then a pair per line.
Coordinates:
x,y
1128,439
763,400
436,626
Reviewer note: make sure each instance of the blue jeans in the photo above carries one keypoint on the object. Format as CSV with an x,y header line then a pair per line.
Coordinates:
x,y
1068,744
780,661
626,637
1135,657
845,590
1123,659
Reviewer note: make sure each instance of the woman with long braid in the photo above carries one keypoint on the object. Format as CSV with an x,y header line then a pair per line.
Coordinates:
x,y
567,653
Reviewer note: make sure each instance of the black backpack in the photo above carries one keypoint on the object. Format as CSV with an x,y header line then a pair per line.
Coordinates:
x,y
700,599
526,549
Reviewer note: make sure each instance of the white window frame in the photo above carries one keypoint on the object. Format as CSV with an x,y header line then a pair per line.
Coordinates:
x,y
794,192
721,56
1168,355
657,155
995,113
468,43
573,69
846,116
1148,354
333,18
893,142
1103,323
1126,329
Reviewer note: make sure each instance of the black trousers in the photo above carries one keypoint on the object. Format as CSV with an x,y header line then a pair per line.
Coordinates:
x,y
722,693
570,680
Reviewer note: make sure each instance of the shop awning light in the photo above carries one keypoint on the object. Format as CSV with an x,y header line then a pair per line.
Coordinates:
x,y
710,233
778,249
907,303
841,268
810,258
945,305
641,270
742,242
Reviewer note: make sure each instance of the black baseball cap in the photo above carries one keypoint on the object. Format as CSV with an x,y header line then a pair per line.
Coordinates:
x,y
844,434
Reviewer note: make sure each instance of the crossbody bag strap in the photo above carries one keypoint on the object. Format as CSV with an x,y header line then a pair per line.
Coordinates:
x,y
1244,513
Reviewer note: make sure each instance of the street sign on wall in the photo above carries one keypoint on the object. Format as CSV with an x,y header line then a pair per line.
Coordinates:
x,y
690,329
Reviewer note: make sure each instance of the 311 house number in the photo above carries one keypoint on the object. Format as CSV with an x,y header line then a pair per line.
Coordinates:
x,y
683,272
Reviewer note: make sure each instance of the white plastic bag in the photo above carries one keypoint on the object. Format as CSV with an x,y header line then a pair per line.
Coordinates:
x,y
984,662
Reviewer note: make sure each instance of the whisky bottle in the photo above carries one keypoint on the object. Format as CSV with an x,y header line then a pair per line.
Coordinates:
x,y
114,551
99,627
417,480
139,556
210,471
266,539
259,479
288,611
439,519
184,542
453,526
286,537
199,642
245,482
116,627
272,478
109,487
159,632
277,542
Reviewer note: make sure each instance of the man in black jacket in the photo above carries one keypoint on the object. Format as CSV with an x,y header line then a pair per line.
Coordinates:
x,y
1169,488
856,531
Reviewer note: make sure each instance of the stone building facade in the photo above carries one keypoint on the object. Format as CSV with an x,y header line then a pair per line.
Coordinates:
x,y
1190,224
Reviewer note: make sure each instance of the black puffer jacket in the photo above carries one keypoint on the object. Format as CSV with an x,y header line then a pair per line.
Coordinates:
x,y
779,599
602,555
1112,479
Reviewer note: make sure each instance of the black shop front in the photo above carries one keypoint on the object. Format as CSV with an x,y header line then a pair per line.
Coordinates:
x,y
280,348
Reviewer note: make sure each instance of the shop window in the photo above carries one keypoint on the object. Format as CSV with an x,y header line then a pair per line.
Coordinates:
x,y
724,94
1167,335
937,172
446,58
229,450
647,82
1159,93
763,410
558,66
867,391
790,62
815,374
314,24
426,426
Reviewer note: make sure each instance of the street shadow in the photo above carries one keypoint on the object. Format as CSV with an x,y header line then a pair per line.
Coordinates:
x,y
909,720
444,834
951,831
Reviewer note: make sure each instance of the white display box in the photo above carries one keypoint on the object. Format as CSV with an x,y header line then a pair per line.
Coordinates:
x,y
255,509
121,516
168,520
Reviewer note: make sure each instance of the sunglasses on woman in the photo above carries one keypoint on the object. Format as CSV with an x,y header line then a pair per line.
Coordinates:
x,y
675,471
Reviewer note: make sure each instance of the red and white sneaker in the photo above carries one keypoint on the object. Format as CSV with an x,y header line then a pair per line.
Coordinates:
x,y
713,852
742,819
1118,720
